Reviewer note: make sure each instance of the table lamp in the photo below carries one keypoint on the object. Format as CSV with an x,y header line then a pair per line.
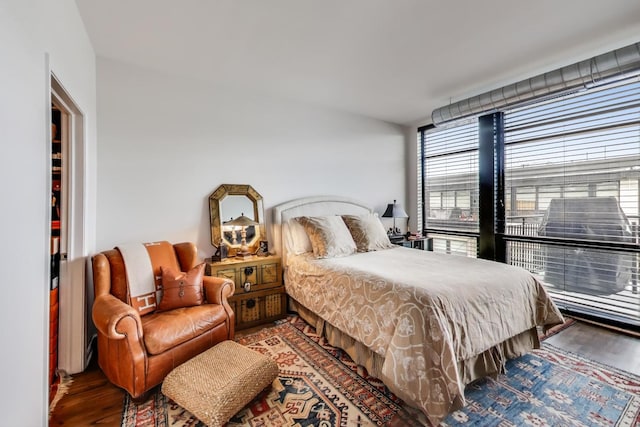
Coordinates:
x,y
394,210
243,222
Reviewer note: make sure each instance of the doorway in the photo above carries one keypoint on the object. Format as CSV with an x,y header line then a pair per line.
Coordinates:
x,y
57,210
68,209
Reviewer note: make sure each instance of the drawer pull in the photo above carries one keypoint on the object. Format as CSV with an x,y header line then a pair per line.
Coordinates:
x,y
250,303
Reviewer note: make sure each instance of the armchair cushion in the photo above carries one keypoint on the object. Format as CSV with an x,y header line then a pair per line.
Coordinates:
x,y
165,330
180,289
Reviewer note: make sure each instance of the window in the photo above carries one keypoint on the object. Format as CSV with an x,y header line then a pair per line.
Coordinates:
x,y
568,173
450,183
572,167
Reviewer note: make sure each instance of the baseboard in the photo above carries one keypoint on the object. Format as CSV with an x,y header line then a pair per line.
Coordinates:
x,y
614,326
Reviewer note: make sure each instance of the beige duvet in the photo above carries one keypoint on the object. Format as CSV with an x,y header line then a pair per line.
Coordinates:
x,y
426,314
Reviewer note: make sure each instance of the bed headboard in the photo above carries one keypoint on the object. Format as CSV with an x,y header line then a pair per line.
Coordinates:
x,y
311,206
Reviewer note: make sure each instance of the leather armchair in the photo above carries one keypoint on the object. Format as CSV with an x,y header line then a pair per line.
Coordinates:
x,y
136,352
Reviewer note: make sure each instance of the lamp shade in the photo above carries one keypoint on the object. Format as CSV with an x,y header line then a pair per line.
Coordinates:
x,y
394,210
241,221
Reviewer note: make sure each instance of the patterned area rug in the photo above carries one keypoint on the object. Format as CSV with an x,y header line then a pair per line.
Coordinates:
x,y
319,385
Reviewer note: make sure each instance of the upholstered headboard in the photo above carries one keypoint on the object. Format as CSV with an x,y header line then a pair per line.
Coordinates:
x,y
310,206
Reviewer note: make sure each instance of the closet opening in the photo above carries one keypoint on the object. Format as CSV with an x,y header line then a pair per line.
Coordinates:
x,y
69,324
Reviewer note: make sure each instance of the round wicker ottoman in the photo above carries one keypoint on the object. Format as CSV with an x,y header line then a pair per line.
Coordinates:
x,y
216,384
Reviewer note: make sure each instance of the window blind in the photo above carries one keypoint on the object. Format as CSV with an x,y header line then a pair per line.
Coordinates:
x,y
450,187
420,193
572,185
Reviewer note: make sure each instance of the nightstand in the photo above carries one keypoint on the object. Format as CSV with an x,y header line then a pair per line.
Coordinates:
x,y
424,243
259,295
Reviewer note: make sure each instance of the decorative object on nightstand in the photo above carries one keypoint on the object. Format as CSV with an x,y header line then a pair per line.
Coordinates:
x,y
231,202
243,222
221,252
263,248
394,210
259,292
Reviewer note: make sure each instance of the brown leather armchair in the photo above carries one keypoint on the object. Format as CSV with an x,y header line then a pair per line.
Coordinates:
x,y
136,352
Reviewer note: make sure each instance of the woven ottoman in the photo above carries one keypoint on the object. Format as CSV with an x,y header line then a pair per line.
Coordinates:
x,y
217,384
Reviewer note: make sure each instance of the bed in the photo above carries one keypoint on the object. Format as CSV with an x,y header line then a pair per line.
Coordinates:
x,y
426,324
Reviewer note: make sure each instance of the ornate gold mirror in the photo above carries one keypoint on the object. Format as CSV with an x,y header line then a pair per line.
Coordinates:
x,y
237,218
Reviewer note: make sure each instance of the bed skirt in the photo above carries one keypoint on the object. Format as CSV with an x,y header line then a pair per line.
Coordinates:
x,y
489,363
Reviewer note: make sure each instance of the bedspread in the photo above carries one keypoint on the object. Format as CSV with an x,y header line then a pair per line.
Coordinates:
x,y
423,312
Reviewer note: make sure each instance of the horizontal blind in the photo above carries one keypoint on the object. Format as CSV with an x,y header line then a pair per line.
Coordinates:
x,y
572,174
420,190
451,186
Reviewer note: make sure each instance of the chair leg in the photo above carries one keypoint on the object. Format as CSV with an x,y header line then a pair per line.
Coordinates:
x,y
142,398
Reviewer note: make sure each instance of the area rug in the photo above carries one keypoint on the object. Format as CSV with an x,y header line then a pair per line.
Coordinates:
x,y
319,385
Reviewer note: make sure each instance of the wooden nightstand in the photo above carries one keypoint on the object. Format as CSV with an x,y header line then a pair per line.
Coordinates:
x,y
259,296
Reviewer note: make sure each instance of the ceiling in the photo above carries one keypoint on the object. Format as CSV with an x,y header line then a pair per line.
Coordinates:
x,y
394,60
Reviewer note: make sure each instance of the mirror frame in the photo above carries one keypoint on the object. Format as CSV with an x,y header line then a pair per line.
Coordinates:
x,y
217,196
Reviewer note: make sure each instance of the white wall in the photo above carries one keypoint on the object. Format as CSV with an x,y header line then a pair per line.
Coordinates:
x,y
29,29
167,143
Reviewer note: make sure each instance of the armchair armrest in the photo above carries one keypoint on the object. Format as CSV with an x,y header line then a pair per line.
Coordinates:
x,y
217,289
115,319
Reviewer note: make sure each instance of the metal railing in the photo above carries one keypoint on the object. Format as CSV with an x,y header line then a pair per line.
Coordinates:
x,y
533,256
527,255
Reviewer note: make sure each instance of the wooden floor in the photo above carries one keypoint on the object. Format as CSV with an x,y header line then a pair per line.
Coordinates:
x,y
92,400
606,346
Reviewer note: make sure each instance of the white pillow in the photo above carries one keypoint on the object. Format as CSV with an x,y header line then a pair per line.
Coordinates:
x,y
329,236
296,238
368,232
